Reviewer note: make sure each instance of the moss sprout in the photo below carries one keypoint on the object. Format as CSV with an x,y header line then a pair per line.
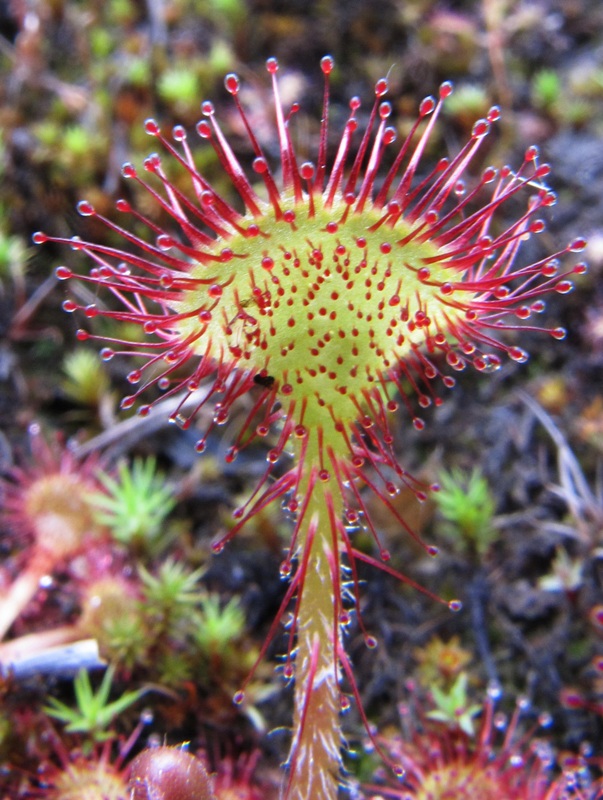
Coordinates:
x,y
135,505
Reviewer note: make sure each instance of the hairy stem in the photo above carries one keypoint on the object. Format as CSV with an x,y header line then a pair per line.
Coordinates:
x,y
315,753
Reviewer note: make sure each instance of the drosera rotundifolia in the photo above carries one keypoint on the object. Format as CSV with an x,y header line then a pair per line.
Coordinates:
x,y
331,292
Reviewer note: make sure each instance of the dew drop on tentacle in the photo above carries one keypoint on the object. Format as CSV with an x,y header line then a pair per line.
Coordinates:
x,y
352,517
85,209
232,83
220,415
326,64
518,354
345,618
577,245
151,127
545,720
231,454
500,721
165,242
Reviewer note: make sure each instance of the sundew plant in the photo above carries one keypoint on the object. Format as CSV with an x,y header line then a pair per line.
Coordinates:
x,y
332,291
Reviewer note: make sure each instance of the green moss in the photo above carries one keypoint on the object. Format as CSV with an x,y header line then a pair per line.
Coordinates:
x,y
467,506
